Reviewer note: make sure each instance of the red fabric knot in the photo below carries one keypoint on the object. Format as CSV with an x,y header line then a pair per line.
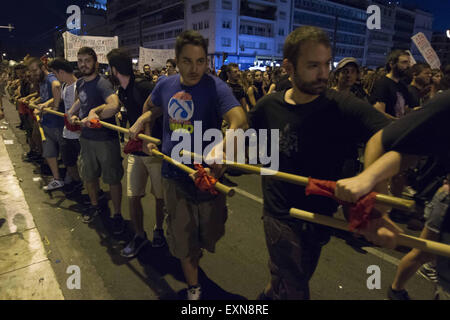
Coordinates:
x,y
69,126
22,108
205,182
95,123
359,213
133,146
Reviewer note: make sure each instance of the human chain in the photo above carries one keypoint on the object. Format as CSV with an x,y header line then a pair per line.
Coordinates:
x,y
351,137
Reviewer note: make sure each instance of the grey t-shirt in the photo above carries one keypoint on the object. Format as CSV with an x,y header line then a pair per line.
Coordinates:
x,y
93,94
68,96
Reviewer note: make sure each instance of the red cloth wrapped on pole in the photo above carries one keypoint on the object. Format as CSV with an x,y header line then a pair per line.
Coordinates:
x,y
69,126
205,182
95,123
359,213
22,108
133,146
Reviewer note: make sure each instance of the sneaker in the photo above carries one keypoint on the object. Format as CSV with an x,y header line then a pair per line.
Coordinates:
x,y
118,224
53,185
68,179
194,293
409,192
85,200
31,156
73,187
159,240
133,248
90,214
398,295
428,272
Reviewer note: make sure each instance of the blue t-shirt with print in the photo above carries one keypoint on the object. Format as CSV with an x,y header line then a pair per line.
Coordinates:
x,y
207,101
93,94
45,92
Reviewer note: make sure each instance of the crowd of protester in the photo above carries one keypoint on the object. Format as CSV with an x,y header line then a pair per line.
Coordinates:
x,y
351,97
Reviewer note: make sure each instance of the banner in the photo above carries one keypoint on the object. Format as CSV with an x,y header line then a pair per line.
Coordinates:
x,y
101,45
156,58
424,46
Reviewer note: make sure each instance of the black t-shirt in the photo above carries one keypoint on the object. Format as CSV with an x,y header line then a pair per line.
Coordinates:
x,y
258,93
394,94
283,84
312,137
133,99
414,94
424,132
25,88
238,91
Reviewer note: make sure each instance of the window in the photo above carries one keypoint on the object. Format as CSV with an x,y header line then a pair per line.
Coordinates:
x,y
199,7
226,24
200,26
280,48
263,45
281,32
282,15
226,42
227,5
206,24
194,26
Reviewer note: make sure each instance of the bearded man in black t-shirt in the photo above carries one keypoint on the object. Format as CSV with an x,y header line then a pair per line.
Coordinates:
x,y
315,124
390,95
236,87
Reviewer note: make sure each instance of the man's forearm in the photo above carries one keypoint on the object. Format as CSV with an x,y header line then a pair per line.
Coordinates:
x,y
75,108
30,96
106,111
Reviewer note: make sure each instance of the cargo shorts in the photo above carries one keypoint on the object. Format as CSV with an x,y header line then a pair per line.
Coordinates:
x,y
192,226
101,159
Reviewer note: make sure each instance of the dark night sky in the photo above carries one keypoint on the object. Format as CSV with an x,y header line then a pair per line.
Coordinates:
x,y
35,21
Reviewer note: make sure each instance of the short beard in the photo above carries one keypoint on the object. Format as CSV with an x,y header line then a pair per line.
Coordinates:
x,y
308,87
91,72
397,72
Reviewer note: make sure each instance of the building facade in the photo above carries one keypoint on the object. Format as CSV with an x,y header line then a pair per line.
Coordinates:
x,y
441,44
252,32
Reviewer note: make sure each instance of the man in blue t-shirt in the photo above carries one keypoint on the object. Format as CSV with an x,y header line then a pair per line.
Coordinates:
x,y
100,148
49,97
196,220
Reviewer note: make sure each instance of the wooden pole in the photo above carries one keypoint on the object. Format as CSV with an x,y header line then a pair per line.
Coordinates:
x,y
109,126
402,240
399,203
219,186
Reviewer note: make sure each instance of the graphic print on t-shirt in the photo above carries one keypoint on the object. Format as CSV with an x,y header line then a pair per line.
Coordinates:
x,y
83,97
399,107
181,110
288,141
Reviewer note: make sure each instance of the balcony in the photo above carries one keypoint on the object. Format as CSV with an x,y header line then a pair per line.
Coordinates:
x,y
259,11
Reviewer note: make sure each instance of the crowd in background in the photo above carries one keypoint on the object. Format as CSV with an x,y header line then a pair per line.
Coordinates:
x,y
416,84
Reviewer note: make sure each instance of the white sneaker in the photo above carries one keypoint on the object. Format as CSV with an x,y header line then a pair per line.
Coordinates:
x,y
194,293
53,185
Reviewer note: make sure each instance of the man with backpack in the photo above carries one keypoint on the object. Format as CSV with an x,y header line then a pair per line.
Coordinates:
x,y
133,92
